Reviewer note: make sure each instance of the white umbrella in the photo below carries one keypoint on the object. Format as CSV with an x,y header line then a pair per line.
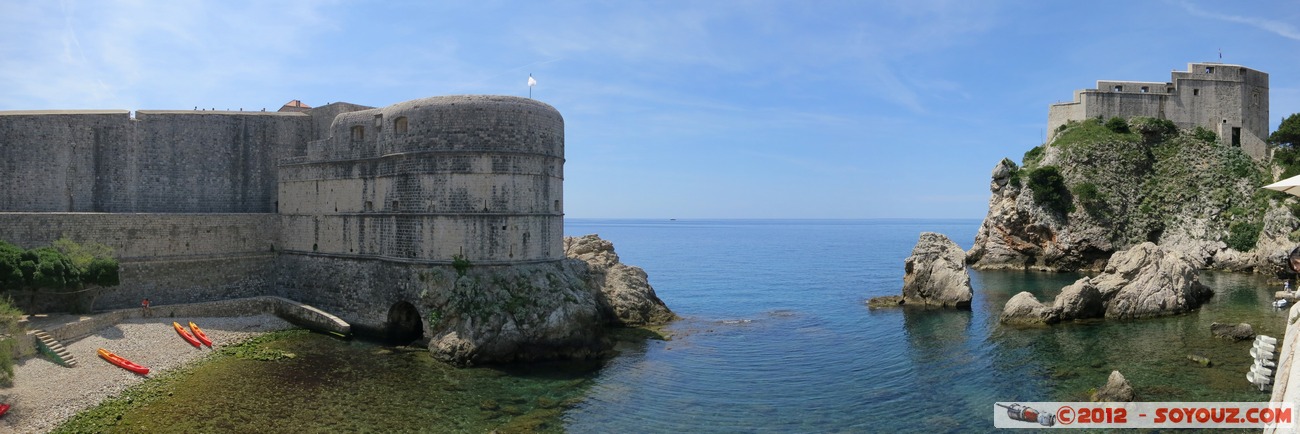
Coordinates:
x,y
1290,185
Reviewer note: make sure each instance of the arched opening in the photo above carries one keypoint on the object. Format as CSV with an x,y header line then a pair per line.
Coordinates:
x,y
404,324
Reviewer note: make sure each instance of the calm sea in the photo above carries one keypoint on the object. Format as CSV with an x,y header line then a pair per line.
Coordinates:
x,y
776,337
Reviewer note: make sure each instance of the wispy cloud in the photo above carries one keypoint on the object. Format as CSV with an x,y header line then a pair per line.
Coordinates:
x,y
1283,29
74,54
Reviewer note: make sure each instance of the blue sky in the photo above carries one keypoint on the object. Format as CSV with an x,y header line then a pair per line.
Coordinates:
x,y
701,109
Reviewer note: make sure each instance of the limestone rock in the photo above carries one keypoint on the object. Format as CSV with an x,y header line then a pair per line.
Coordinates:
x,y
517,313
624,291
1145,281
545,311
1116,389
1236,332
1148,281
935,274
1080,300
1123,193
1024,309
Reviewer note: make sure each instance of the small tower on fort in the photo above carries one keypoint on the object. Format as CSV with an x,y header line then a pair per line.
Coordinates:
x,y
1231,100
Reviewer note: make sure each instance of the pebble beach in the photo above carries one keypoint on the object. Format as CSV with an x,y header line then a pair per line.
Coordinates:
x,y
44,394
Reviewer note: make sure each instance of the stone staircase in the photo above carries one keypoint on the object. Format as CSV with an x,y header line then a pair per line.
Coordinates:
x,y
54,349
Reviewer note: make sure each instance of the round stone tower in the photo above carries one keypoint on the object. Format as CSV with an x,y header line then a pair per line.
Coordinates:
x,y
431,180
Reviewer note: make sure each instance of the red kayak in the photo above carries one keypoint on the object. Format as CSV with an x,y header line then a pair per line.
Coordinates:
x,y
123,363
198,333
4,408
186,335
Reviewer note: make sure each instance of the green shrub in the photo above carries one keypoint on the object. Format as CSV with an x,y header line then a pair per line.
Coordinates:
x,y
1205,135
1242,235
1117,125
1153,129
1288,158
1092,199
10,330
460,264
1048,186
1033,156
64,265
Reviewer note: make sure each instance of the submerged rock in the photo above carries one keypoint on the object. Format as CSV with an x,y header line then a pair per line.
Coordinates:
x,y
1024,309
885,301
935,274
1116,389
1236,332
1200,360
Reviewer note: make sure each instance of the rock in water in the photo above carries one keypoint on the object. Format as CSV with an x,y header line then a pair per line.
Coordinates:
x,y
1145,281
1024,309
935,274
1080,300
1149,281
624,291
1116,389
544,311
1236,332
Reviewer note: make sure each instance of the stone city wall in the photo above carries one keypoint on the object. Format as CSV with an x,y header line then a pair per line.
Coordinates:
x,y
161,161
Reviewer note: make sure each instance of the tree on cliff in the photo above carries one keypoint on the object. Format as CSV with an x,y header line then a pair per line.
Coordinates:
x,y
1286,139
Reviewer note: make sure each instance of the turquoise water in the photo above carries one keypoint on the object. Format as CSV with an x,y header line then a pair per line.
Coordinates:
x,y
776,337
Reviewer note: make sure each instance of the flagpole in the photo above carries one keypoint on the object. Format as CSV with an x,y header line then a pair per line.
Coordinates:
x,y
530,85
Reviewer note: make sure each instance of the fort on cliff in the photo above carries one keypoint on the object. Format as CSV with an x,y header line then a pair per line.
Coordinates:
x,y
1230,100
323,205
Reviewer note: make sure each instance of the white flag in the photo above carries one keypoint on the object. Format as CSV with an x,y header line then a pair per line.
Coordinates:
x,y
531,81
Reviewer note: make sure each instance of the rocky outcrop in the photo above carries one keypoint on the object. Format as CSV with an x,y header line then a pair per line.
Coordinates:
x,y
1116,389
1148,281
935,274
525,312
1020,234
1145,281
1235,332
1116,190
624,291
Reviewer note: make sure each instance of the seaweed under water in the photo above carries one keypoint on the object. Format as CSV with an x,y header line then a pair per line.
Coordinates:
x,y
299,381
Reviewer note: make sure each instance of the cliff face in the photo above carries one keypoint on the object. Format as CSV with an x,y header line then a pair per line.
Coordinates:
x,y
1099,188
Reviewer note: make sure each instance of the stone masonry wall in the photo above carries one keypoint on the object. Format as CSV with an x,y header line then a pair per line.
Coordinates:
x,y
1230,100
169,258
162,161
429,179
50,160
